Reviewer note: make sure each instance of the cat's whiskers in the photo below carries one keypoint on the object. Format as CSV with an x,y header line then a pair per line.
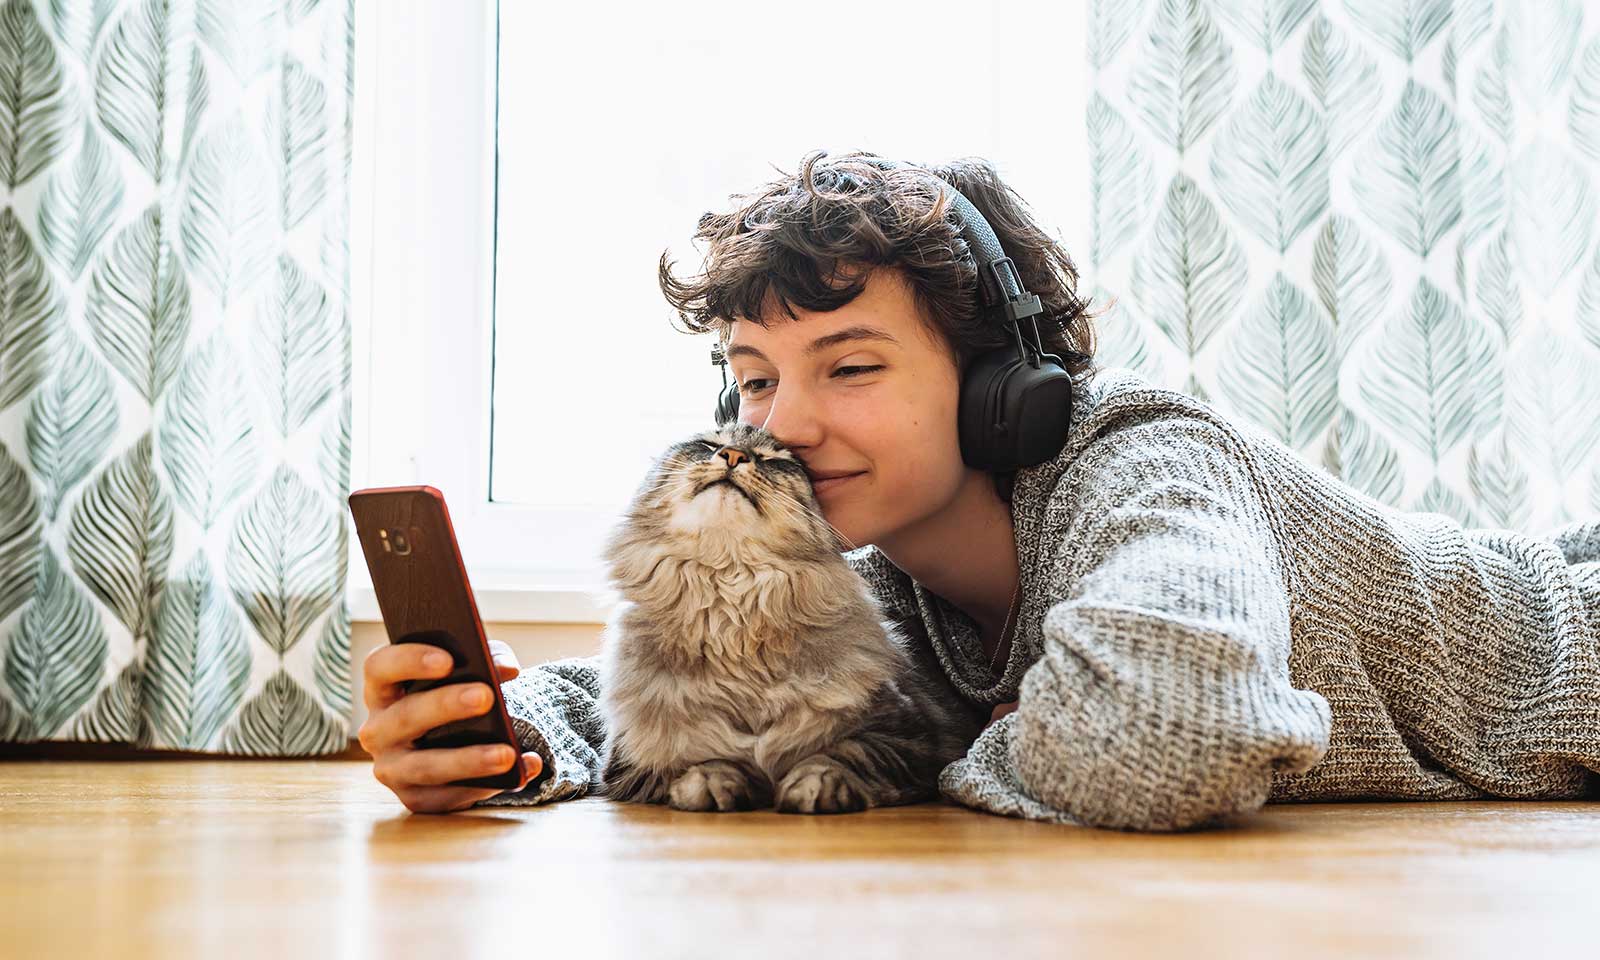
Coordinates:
x,y
792,503
672,476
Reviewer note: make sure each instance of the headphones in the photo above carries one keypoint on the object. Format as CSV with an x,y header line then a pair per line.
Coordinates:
x,y
1016,401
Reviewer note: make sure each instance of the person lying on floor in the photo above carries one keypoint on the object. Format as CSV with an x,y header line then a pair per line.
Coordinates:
x,y
1170,620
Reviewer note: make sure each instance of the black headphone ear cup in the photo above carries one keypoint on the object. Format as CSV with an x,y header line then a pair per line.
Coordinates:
x,y
1012,413
728,405
981,417
1043,402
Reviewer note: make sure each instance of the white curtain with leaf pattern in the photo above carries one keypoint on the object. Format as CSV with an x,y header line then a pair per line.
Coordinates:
x,y
1368,226
175,373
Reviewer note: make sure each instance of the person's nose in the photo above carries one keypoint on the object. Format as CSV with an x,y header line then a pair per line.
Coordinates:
x,y
791,419
733,455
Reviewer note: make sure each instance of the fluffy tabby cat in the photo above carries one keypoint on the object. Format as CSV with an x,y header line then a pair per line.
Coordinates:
x,y
746,665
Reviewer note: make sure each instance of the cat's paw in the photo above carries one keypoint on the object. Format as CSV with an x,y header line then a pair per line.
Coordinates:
x,y
818,784
715,785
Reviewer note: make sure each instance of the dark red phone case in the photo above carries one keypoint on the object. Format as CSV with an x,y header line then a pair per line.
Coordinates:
x,y
424,596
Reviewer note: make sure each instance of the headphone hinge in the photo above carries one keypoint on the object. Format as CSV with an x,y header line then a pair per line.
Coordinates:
x,y
1014,307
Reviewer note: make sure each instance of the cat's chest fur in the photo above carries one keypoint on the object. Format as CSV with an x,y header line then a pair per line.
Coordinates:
x,y
756,691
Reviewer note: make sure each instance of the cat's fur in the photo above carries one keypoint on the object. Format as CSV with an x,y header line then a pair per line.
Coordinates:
x,y
746,665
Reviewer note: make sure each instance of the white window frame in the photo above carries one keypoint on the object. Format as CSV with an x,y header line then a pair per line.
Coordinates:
x,y
421,280
422,262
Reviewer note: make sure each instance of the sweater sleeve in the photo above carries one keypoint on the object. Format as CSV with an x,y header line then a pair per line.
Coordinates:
x,y
1162,700
555,712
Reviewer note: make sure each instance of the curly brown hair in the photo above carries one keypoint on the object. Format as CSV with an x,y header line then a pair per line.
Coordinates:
x,y
804,238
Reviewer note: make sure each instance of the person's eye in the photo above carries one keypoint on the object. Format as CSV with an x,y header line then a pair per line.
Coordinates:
x,y
752,384
859,370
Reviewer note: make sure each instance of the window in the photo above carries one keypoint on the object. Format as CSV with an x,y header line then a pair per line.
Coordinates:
x,y
513,348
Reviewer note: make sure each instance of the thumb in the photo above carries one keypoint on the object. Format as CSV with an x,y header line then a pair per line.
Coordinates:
x,y
505,668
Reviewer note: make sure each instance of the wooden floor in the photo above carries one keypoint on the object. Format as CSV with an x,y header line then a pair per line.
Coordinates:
x,y
316,859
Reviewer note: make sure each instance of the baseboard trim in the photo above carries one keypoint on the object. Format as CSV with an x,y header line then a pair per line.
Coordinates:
x,y
84,750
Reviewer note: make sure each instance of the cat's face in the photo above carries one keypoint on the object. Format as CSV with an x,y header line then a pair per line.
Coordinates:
x,y
734,482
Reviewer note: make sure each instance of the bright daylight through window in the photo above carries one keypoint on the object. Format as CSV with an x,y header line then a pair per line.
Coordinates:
x,y
613,141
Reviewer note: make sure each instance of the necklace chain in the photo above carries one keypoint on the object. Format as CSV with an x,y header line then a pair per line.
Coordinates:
x,y
1006,628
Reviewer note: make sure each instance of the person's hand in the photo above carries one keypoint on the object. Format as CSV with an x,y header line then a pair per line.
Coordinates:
x,y
395,719
1000,710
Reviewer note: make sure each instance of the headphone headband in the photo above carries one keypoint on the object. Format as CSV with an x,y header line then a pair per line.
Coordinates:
x,y
1000,288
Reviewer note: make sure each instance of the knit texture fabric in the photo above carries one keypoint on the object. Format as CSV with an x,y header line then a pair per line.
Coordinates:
x,y
1208,623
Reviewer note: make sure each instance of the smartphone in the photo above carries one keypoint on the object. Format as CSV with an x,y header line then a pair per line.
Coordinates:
x,y
423,594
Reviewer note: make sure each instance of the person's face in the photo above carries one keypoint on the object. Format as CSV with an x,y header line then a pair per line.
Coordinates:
x,y
882,407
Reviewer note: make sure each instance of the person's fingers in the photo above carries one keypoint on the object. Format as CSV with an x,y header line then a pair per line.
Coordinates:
x,y
388,666
442,799
440,765
438,798
506,665
405,720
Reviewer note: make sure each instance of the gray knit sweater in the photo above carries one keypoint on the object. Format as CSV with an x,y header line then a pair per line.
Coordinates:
x,y
1209,623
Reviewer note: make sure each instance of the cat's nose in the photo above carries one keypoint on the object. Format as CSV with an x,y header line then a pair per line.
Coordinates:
x,y
733,455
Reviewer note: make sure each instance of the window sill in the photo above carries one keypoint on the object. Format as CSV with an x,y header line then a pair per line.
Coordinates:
x,y
511,603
